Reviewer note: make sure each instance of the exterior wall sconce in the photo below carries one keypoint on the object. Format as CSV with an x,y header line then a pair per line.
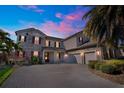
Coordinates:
x,y
98,52
66,55
82,54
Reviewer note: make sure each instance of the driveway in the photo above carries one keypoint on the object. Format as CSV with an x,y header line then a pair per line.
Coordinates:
x,y
56,76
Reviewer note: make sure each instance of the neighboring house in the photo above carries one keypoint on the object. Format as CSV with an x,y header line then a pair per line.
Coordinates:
x,y
74,49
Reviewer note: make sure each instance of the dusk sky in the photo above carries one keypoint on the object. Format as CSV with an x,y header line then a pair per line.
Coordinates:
x,y
57,21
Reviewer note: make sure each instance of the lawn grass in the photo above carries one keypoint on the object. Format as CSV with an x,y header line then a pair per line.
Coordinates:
x,y
4,74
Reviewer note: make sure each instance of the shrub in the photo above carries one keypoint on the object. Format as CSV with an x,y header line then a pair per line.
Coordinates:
x,y
118,63
34,60
92,64
109,69
97,65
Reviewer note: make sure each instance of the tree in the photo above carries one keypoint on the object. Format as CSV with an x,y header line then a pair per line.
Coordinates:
x,y
105,25
7,45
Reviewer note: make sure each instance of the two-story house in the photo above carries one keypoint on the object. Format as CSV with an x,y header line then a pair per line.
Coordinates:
x,y
74,49
36,43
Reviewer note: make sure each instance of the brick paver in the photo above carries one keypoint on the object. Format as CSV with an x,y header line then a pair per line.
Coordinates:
x,y
56,76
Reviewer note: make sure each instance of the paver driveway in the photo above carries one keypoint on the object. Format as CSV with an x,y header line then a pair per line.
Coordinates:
x,y
56,76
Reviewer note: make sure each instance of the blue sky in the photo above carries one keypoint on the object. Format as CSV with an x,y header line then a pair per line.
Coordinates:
x,y
55,20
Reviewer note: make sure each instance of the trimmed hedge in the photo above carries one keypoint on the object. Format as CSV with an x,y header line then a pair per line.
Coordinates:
x,y
92,63
98,65
109,66
109,69
118,63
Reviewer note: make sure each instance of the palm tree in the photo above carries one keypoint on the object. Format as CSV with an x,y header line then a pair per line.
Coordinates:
x,y
7,45
105,25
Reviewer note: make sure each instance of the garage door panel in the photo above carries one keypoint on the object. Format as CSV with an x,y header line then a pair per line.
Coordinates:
x,y
90,56
78,59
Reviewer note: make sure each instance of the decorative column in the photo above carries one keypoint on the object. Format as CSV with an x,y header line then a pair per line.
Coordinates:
x,y
43,57
82,56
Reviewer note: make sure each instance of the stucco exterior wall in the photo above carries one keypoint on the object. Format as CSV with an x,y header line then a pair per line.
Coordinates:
x,y
70,43
28,46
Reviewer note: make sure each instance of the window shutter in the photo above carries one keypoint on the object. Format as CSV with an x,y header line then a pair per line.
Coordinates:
x,y
39,53
19,38
82,40
33,39
25,39
32,53
17,53
59,55
23,53
59,44
54,44
39,40
49,43
79,39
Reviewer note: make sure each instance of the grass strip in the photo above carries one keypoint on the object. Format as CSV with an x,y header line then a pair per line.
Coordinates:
x,y
5,74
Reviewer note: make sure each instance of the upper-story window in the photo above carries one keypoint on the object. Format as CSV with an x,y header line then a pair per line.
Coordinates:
x,y
22,38
57,44
35,53
81,39
36,40
47,43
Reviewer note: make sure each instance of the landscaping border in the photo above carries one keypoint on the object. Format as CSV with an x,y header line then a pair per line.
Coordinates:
x,y
114,78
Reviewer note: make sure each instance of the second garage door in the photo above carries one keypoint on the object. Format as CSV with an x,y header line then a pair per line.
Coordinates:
x,y
90,56
78,58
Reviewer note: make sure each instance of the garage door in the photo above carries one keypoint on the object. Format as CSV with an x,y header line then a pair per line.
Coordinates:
x,y
78,58
90,56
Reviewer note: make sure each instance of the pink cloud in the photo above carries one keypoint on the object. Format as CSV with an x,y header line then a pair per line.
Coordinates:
x,y
75,16
39,11
58,15
70,24
63,29
33,8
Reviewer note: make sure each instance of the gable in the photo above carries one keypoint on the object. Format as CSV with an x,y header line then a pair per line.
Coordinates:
x,y
30,31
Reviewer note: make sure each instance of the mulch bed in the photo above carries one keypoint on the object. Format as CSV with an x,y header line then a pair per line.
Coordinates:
x,y
114,78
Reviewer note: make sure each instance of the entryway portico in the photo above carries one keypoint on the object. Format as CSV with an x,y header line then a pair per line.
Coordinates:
x,y
52,56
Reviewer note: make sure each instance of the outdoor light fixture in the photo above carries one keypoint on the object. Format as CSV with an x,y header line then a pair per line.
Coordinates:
x,y
82,54
66,55
98,52
45,58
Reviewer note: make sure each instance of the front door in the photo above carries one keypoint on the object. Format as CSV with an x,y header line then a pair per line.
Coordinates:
x,y
46,57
